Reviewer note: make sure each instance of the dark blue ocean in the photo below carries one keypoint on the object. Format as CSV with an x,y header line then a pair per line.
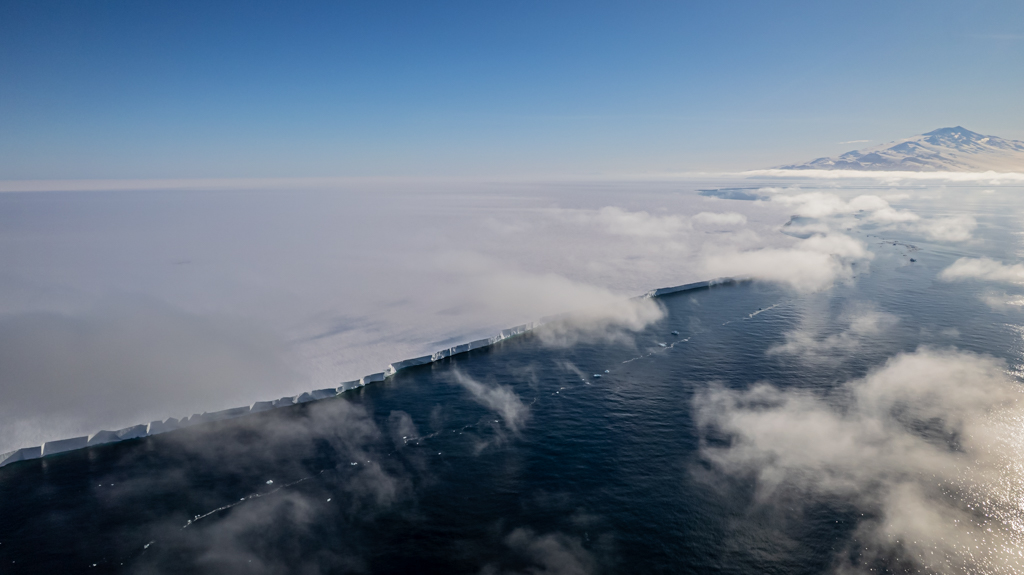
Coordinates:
x,y
548,469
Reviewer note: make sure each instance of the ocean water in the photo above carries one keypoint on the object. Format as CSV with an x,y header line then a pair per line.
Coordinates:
x,y
518,458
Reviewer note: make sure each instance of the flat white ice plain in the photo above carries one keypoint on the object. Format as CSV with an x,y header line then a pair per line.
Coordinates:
x,y
132,305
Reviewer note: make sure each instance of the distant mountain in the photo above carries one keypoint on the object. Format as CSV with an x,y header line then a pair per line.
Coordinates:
x,y
943,150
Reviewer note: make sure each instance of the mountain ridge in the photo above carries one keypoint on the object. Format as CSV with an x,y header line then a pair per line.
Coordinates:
x,y
954,149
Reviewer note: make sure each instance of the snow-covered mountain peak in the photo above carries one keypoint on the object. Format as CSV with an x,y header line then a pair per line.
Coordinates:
x,y
955,149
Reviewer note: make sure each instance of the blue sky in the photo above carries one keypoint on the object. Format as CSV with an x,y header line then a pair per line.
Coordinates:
x,y
142,89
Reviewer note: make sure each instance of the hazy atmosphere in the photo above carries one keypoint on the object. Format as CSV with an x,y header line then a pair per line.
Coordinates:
x,y
373,287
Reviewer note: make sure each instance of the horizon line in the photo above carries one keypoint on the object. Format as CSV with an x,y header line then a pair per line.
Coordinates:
x,y
240,183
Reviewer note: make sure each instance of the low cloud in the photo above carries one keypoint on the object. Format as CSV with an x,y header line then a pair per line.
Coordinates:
x,y
616,322
498,398
622,222
571,368
948,229
983,269
586,312
926,448
402,428
824,204
548,554
720,219
877,210
812,264
278,507
809,345
1000,300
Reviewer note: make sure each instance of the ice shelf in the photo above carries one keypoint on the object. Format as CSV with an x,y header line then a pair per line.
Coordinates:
x,y
157,427
400,365
318,394
61,445
101,437
347,385
261,406
23,454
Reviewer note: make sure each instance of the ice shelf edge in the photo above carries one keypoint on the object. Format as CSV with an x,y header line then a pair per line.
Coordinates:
x,y
171,424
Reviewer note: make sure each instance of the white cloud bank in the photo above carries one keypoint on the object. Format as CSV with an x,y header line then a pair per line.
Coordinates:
x,y
877,210
983,269
810,265
928,447
823,204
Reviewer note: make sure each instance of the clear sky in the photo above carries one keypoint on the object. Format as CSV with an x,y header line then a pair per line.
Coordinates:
x,y
181,89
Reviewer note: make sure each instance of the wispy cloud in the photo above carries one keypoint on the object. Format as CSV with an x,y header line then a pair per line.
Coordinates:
x,y
547,554
810,345
498,398
855,142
